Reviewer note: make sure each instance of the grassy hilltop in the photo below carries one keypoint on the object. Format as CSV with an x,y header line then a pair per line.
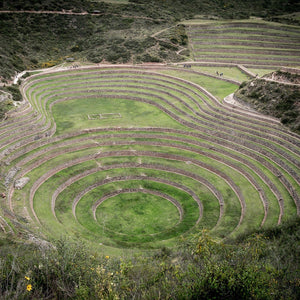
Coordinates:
x,y
147,159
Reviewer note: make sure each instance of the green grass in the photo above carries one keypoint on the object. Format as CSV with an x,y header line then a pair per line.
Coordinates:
x,y
228,72
218,88
265,43
158,95
137,214
248,61
73,115
112,1
261,72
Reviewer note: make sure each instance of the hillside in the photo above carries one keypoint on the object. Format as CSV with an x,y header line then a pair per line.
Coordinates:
x,y
276,94
48,32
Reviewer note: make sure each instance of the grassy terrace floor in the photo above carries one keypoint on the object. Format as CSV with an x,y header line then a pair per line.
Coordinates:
x,y
110,148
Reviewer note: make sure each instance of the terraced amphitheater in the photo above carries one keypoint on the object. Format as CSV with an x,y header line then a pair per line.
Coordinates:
x,y
138,157
247,42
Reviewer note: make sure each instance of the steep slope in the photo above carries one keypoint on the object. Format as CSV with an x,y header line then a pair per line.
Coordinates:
x,y
276,94
38,34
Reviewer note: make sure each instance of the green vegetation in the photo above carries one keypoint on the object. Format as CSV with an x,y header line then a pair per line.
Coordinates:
x,y
261,72
14,91
110,32
113,36
277,99
74,115
6,103
111,1
129,214
44,5
228,72
8,94
219,89
259,265
292,19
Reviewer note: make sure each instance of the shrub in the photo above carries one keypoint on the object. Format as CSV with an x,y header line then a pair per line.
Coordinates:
x,y
149,58
168,45
243,84
94,57
14,90
117,54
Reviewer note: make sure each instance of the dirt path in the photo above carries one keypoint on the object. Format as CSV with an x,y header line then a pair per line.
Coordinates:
x,y
159,32
57,12
280,81
67,12
229,99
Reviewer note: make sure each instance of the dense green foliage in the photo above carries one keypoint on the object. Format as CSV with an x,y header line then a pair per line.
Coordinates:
x,y
274,98
263,7
293,18
4,108
8,94
109,32
44,4
227,8
31,41
14,91
259,265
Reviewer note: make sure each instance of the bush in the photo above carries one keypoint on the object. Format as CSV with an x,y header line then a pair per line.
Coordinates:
x,y
94,57
149,58
168,45
117,54
243,84
14,90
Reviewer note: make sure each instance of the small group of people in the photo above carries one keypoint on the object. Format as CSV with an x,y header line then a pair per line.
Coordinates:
x,y
74,67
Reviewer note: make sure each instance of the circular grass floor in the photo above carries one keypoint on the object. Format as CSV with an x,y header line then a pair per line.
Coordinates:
x,y
137,214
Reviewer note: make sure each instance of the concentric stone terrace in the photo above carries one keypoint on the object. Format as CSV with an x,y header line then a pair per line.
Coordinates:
x,y
138,157
247,42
